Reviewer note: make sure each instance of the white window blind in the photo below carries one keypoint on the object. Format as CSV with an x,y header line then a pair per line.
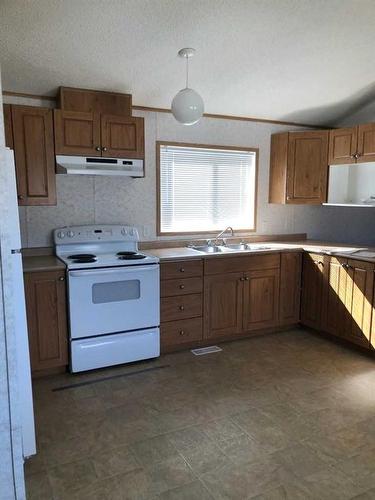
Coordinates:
x,y
206,189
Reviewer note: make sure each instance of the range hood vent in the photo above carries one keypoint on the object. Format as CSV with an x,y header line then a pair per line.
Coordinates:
x,y
83,165
352,185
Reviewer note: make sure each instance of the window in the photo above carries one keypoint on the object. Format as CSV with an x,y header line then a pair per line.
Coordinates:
x,y
205,188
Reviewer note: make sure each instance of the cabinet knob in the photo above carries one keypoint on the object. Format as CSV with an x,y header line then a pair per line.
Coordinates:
x,y
246,278
356,155
104,149
62,278
242,279
288,197
98,148
182,270
20,197
182,332
182,287
182,308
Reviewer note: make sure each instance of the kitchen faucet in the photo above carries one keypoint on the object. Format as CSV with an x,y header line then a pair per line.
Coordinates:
x,y
215,241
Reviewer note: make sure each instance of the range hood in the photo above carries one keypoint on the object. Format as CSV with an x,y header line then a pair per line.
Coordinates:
x,y
351,185
84,165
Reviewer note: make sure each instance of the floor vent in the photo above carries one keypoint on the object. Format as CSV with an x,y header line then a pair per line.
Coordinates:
x,y
206,350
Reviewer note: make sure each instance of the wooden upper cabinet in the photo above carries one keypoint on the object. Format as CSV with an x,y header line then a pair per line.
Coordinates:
x,y
77,133
8,126
307,167
290,287
122,136
45,296
312,286
261,299
342,146
34,155
299,167
366,143
95,101
223,299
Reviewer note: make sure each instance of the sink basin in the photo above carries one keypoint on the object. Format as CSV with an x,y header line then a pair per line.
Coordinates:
x,y
237,246
209,249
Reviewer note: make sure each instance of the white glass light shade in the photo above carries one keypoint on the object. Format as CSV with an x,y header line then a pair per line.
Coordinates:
x,y
187,106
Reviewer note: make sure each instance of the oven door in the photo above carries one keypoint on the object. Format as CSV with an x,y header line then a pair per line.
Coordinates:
x,y
113,300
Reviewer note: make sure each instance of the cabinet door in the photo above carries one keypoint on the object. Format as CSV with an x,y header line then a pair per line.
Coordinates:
x,y
261,299
290,287
122,136
223,299
8,126
312,285
359,299
77,133
366,142
335,316
307,167
46,319
34,155
342,145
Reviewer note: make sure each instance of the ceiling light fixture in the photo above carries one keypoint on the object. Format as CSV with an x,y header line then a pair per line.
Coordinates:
x,y
187,104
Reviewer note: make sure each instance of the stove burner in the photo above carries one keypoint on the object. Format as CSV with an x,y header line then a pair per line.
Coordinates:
x,y
84,260
132,256
82,256
126,253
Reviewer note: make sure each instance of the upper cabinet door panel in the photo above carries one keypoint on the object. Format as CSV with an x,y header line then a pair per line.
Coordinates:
x,y
34,155
77,133
342,146
366,143
122,136
307,167
8,126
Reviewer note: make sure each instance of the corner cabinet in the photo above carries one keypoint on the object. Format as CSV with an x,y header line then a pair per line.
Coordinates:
x,y
29,131
299,167
45,294
290,287
352,145
312,287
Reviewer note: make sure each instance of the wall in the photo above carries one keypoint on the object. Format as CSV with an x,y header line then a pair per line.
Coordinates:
x,y
89,200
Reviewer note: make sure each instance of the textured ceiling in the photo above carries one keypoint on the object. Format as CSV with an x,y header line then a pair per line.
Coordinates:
x,y
298,60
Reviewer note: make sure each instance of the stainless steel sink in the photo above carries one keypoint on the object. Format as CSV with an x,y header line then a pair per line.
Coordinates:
x,y
237,246
209,248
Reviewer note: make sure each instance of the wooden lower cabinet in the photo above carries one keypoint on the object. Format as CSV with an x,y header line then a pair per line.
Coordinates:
x,y
45,295
261,299
312,287
290,287
334,313
241,302
181,307
223,298
338,297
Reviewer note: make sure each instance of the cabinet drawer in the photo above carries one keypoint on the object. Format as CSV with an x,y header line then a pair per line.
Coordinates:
x,y
181,307
181,269
181,332
181,286
241,263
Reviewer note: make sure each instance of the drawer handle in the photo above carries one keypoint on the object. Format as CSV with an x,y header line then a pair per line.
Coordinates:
x,y
182,287
182,308
182,332
182,270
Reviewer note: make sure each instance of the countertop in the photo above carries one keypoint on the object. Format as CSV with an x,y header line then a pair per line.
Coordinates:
x,y
38,263
322,247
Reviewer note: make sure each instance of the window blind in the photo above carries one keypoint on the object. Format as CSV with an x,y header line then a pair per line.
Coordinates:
x,y
206,189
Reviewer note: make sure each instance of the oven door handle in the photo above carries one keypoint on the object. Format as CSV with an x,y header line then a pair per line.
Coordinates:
x,y
116,270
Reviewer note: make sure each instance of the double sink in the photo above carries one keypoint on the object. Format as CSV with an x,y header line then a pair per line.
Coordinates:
x,y
234,247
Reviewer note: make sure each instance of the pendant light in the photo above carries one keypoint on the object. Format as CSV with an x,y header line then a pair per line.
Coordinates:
x,y
187,105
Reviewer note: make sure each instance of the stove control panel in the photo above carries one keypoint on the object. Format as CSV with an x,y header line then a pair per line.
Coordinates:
x,y
92,234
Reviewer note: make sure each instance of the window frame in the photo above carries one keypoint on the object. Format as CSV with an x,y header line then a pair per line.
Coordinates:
x,y
202,146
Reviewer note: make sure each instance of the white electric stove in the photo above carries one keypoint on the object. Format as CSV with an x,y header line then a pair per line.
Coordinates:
x,y
113,296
